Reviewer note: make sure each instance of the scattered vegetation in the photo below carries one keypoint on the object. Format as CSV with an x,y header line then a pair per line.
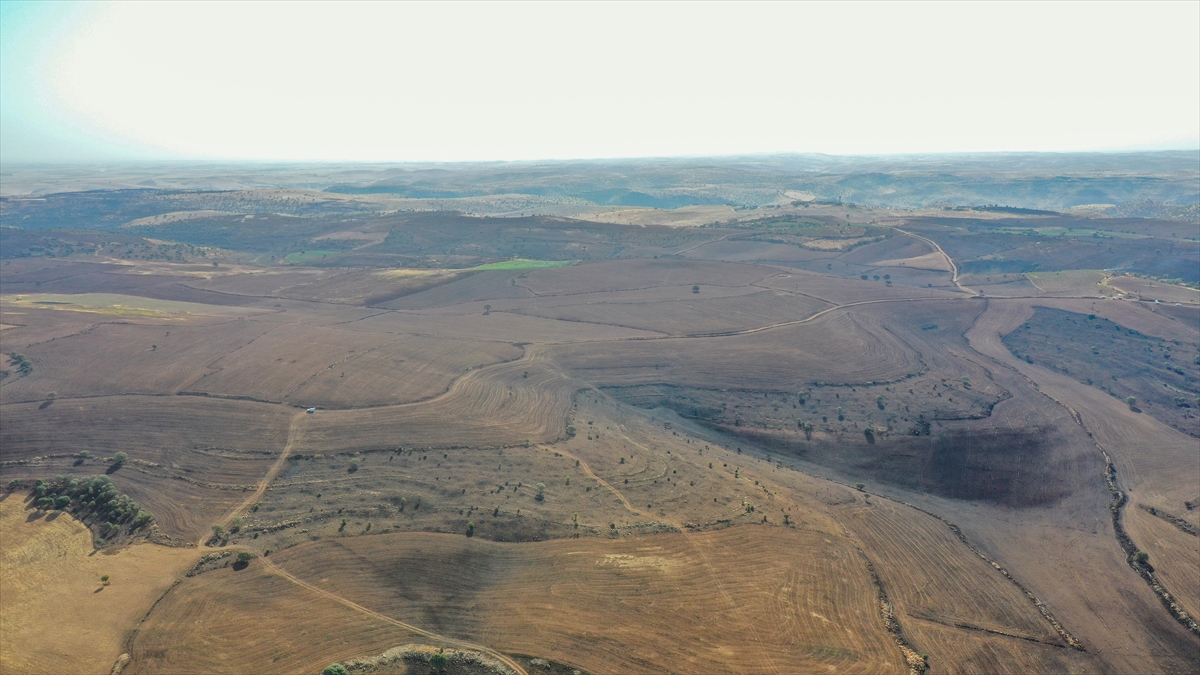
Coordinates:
x,y
1158,377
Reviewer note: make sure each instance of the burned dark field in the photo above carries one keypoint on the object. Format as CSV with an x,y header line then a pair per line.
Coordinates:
x,y
608,426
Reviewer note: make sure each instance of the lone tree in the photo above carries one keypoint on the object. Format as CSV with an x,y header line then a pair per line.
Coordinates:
x,y
470,529
1141,557
1131,401
541,490
104,579
335,668
245,557
119,459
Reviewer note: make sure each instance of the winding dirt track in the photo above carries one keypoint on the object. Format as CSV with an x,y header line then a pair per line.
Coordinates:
x,y
274,471
264,482
588,470
949,260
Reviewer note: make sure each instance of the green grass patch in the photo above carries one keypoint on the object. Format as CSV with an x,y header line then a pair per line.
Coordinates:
x,y
523,264
305,256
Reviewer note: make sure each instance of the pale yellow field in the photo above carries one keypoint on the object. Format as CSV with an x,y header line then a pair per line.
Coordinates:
x,y
55,616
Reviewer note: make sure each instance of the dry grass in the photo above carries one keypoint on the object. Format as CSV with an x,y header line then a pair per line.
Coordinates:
x,y
925,261
118,305
689,313
621,275
112,359
839,346
229,621
736,600
407,369
720,590
1147,289
285,358
55,616
1173,553
502,405
1088,283
191,457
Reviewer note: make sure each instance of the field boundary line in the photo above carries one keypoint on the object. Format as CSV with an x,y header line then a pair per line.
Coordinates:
x,y
967,626
915,662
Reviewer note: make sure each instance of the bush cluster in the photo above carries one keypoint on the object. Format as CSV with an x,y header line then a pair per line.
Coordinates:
x,y
24,365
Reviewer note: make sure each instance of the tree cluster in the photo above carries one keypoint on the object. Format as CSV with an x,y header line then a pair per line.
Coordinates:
x,y
94,500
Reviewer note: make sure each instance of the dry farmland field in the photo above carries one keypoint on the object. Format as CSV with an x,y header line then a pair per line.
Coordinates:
x,y
802,436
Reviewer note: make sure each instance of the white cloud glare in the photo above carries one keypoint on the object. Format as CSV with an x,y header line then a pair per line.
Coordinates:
x,y
468,81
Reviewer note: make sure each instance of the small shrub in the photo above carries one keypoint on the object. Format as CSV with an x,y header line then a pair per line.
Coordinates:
x,y
438,662
333,668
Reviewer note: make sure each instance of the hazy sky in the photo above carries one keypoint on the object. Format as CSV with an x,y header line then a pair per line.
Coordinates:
x,y
456,81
